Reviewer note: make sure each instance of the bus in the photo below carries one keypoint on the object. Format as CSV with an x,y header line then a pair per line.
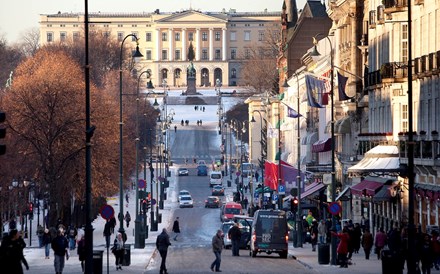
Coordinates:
x,y
247,169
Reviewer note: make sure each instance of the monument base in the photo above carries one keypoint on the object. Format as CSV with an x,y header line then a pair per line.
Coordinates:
x,y
191,86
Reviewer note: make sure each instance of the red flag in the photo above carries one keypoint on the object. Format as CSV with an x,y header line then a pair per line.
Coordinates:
x,y
271,175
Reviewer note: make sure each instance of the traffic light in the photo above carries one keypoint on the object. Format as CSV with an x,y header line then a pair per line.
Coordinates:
x,y
294,204
2,132
31,207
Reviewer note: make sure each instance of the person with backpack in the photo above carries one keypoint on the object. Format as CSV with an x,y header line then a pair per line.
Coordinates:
x,y
60,247
127,219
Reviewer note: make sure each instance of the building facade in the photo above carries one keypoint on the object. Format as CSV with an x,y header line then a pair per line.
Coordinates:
x,y
221,40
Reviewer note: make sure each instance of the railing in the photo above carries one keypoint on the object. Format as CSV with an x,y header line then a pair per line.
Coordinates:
x,y
373,78
394,70
395,3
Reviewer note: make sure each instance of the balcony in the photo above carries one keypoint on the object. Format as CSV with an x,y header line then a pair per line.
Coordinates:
x,y
394,72
392,6
372,79
426,149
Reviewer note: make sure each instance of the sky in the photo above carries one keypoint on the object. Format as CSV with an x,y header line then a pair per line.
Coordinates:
x,y
18,16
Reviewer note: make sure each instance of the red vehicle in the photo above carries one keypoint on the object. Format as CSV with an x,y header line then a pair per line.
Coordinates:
x,y
229,209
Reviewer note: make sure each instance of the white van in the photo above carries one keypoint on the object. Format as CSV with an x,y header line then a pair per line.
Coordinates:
x,y
215,178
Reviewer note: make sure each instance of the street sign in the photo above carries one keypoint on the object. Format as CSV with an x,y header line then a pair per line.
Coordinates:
x,y
107,212
334,208
281,189
256,194
153,201
275,197
142,183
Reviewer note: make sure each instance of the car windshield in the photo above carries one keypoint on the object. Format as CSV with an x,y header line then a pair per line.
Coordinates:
x,y
186,198
218,187
216,176
234,211
183,193
212,199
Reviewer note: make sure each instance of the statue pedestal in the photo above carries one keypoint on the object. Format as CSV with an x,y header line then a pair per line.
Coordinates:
x,y
191,86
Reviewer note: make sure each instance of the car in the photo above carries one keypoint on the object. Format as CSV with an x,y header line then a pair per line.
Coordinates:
x,y
245,224
212,201
215,178
202,170
218,190
229,210
186,201
183,171
183,192
201,163
225,228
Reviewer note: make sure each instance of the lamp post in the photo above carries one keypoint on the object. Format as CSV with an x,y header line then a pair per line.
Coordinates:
x,y
261,142
298,176
332,130
121,177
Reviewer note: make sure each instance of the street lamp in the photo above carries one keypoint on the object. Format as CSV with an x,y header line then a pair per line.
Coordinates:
x,y
315,53
261,142
121,178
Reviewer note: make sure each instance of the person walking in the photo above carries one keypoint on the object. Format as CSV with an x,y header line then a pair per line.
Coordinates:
x,y
40,233
245,203
127,218
47,239
217,246
234,234
82,251
107,233
60,247
176,228
162,244
425,254
342,249
118,250
367,242
175,128
379,242
11,251
73,232
322,232
314,234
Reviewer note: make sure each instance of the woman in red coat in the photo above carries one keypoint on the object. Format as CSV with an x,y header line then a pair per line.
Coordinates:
x,y
342,249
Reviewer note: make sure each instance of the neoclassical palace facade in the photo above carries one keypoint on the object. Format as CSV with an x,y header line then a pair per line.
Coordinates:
x,y
221,40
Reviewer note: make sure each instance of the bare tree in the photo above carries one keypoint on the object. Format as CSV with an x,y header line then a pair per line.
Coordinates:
x,y
29,42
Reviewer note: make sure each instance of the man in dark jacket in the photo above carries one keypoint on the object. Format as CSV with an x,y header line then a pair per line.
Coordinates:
x,y
11,253
107,233
60,247
234,234
162,244
217,246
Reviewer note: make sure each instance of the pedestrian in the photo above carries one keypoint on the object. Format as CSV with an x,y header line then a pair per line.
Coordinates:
x,y
234,234
305,229
47,239
176,228
182,122
200,121
310,217
11,251
435,249
40,233
322,232
357,237
127,197
108,231
127,218
379,242
257,176
118,250
71,236
245,203
217,246
425,254
314,234
60,248
175,128
82,251
197,122
12,224
342,249
162,244
367,242
203,109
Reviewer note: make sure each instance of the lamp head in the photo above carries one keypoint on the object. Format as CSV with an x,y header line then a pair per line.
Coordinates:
x,y
155,104
137,53
253,119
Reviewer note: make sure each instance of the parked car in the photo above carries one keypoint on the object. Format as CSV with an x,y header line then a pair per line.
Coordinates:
x,y
229,209
186,201
183,171
202,170
183,192
212,201
218,190
245,224
201,163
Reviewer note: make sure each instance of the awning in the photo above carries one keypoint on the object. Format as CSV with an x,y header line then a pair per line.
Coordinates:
x,y
322,145
343,195
310,138
312,188
370,186
343,126
385,193
378,159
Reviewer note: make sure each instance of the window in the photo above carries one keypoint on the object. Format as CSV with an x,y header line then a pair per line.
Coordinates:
x,y
106,25
120,36
204,36
134,26
164,54
217,54
120,26
233,73
191,36
217,36
75,36
247,53
63,36
164,36
148,36
404,52
148,54
49,37
177,36
247,35
404,118
133,38
204,54
177,54
233,54
177,74
261,36
233,36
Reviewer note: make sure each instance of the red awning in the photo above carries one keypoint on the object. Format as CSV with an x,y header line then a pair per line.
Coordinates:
x,y
312,188
366,187
322,145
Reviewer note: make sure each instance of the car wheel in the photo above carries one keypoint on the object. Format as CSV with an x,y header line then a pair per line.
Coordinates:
x,y
283,254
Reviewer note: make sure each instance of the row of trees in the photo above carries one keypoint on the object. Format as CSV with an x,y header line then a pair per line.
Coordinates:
x,y
45,107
